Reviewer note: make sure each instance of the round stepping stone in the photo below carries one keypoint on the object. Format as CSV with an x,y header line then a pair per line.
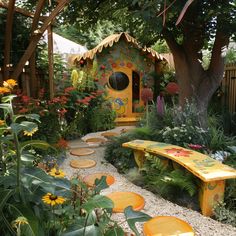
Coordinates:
x,y
95,140
80,164
167,225
81,151
109,134
90,179
122,200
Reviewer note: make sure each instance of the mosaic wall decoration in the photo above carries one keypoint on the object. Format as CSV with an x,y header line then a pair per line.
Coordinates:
x,y
122,54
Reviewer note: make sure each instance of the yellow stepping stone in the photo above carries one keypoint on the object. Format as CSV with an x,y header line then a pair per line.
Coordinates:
x,y
81,151
80,164
166,226
122,200
95,140
109,134
90,179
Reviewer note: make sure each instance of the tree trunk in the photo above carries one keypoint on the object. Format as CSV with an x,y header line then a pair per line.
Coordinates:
x,y
8,39
195,83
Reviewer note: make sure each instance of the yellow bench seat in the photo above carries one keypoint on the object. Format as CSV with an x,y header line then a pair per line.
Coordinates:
x,y
212,173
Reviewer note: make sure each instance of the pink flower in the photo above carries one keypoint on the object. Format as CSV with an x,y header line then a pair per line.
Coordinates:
x,y
195,146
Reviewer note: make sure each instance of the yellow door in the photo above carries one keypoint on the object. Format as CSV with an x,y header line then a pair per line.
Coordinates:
x,y
120,91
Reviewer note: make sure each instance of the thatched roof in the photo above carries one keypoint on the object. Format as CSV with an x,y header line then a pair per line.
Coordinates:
x,y
114,38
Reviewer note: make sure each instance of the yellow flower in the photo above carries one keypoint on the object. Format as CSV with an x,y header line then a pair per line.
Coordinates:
x,y
4,90
2,122
30,133
10,83
57,173
19,221
53,200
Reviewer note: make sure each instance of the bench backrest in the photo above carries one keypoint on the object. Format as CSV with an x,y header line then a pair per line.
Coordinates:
x,y
201,165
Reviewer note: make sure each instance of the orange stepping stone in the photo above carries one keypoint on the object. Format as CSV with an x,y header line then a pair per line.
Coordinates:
x,y
122,200
90,179
95,140
80,164
81,151
166,226
109,134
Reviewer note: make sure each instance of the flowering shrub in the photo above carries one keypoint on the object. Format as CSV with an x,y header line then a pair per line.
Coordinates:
x,y
184,135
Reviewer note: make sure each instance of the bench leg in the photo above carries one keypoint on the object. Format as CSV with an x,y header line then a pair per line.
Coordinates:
x,y
210,194
139,157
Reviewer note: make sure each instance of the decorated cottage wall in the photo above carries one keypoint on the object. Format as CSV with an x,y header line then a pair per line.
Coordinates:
x,y
124,57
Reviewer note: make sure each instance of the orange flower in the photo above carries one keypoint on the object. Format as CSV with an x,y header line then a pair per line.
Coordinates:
x,y
4,90
2,122
10,83
62,143
178,152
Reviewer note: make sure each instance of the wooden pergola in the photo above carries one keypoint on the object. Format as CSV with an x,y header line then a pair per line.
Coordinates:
x,y
39,25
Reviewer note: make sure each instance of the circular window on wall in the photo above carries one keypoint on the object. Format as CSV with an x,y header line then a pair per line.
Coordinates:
x,y
119,81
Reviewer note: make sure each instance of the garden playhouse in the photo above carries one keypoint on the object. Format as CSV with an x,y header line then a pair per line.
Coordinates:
x,y
124,68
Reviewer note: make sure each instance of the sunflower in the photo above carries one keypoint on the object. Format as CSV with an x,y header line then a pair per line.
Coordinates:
x,y
52,199
57,173
30,133
2,122
10,83
4,90
19,221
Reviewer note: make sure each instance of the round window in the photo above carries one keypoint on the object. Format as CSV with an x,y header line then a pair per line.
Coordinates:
x,y
119,81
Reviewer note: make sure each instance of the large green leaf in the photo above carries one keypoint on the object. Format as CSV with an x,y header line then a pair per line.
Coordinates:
x,y
5,194
8,98
36,176
116,231
135,216
35,117
97,201
33,228
37,144
27,158
6,107
16,128
100,184
91,230
29,126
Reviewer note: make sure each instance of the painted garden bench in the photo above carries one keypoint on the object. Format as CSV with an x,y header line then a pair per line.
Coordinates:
x,y
212,173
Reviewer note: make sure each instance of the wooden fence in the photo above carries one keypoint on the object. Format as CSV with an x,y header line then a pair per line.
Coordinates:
x,y
229,88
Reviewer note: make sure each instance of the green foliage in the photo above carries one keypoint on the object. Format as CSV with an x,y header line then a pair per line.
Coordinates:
x,y
225,215
27,192
101,117
230,56
165,180
161,47
135,216
92,36
218,140
184,135
122,158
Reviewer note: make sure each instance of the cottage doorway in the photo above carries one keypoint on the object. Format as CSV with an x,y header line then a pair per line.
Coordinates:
x,y
135,91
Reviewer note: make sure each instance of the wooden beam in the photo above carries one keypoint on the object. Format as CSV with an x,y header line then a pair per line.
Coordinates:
x,y
50,62
21,11
8,39
32,61
36,37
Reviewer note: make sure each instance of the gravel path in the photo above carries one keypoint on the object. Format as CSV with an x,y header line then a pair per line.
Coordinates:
x,y
154,204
